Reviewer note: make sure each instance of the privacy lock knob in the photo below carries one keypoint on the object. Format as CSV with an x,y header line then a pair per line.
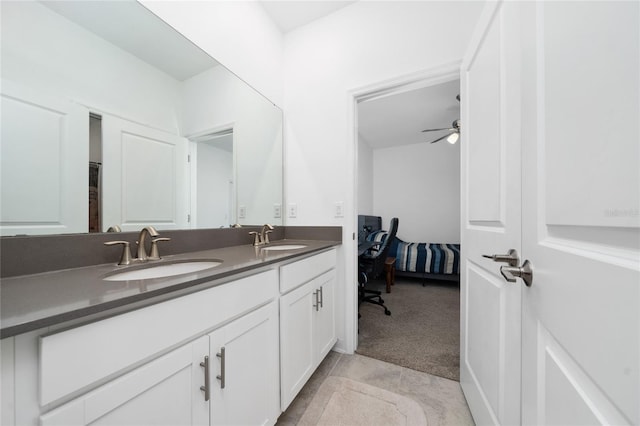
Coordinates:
x,y
510,273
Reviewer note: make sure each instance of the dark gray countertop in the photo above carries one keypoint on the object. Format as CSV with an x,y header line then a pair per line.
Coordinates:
x,y
30,302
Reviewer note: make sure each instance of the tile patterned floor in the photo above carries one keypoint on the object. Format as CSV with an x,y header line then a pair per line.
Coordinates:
x,y
441,399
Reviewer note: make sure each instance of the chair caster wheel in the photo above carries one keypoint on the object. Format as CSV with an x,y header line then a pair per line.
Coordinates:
x,y
387,312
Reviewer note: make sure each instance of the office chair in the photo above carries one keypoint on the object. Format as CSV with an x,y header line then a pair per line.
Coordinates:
x,y
371,265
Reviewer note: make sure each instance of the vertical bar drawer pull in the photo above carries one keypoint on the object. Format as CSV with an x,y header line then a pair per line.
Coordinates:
x,y
321,296
206,386
317,304
221,377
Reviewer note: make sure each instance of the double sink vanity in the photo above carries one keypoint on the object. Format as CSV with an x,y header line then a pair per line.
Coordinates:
x,y
222,335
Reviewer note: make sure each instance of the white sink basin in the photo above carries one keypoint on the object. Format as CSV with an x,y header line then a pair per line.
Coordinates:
x,y
164,270
284,247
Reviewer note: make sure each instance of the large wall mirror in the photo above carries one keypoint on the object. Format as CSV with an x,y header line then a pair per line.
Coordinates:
x,y
111,117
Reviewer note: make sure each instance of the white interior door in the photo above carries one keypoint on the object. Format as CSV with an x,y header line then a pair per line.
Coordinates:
x,y
145,176
581,221
491,218
44,170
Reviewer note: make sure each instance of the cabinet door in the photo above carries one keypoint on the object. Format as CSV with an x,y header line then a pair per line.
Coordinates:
x,y
244,369
166,391
324,321
296,340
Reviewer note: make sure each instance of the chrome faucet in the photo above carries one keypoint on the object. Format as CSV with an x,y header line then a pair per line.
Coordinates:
x,y
264,234
261,238
125,258
142,239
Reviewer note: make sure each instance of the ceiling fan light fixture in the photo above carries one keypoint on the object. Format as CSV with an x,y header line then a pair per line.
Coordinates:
x,y
453,138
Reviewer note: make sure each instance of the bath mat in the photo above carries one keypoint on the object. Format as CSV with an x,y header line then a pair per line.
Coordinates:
x,y
342,401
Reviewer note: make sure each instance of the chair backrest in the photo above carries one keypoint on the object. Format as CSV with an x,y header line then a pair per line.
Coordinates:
x,y
373,264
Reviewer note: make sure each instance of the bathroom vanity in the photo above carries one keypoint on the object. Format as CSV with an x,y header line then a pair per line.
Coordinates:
x,y
231,344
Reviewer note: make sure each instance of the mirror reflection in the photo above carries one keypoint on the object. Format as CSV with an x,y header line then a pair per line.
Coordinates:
x,y
110,117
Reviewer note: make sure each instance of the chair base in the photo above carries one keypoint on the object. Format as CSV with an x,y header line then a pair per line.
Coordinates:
x,y
374,297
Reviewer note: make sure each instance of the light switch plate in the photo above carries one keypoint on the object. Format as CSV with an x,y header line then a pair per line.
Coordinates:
x,y
339,209
277,210
292,210
242,212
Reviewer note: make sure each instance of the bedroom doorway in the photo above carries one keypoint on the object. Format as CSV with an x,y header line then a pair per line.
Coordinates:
x,y
400,173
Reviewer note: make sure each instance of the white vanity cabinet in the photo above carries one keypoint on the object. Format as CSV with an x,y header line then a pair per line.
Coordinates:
x,y
166,391
236,353
228,377
244,370
307,320
148,366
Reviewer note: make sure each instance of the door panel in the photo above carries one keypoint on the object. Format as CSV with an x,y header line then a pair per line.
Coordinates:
x,y
325,318
251,368
296,341
44,163
144,176
581,227
490,158
140,397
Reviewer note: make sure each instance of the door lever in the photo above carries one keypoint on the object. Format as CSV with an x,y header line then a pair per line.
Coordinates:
x,y
511,258
510,273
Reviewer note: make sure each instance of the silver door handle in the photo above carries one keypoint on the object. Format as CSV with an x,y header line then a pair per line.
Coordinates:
x,y
510,258
206,388
222,375
510,273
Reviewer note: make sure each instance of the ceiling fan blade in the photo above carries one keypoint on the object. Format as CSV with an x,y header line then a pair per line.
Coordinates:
x,y
435,130
439,139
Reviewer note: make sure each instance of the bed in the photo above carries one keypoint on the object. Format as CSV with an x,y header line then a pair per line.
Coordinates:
x,y
439,261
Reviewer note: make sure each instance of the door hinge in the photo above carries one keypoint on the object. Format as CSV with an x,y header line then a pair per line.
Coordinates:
x,y
188,218
188,158
353,236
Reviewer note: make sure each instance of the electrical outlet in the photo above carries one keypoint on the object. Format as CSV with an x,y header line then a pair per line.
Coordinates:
x,y
277,210
242,212
339,209
292,210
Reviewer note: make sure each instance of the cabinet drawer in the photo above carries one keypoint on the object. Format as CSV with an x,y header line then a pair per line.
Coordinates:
x,y
297,273
75,359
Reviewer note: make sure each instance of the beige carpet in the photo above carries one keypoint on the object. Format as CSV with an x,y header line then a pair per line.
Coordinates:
x,y
342,401
423,331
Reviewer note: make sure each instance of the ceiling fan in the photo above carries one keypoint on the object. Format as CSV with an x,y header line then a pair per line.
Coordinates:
x,y
454,131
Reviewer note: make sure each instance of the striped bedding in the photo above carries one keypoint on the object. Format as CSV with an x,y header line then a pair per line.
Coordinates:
x,y
431,258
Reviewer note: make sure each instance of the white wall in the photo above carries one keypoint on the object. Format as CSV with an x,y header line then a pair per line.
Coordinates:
x,y
365,178
238,34
420,186
215,100
42,50
357,46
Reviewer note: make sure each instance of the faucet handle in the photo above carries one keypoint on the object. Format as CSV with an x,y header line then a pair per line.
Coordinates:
x,y
155,254
266,236
256,238
125,257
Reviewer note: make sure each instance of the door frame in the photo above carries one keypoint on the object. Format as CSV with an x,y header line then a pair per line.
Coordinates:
x,y
428,77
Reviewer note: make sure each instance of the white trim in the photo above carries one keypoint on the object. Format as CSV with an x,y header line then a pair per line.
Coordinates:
x,y
403,83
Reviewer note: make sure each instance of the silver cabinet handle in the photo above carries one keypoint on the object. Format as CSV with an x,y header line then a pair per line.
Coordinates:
x,y
510,258
510,273
321,296
317,303
206,386
221,377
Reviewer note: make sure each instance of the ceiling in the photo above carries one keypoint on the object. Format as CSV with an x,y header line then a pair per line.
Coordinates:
x,y
155,42
289,15
399,119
